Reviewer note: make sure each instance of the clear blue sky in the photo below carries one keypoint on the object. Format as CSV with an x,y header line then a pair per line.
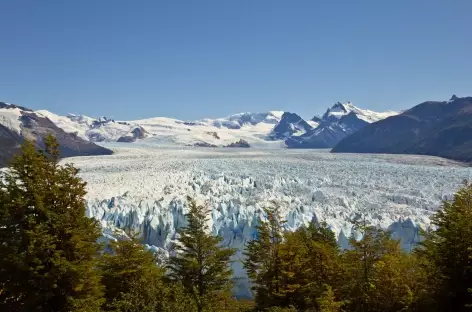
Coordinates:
x,y
191,59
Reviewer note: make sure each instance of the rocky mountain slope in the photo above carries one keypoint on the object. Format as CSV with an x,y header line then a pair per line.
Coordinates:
x,y
339,121
431,128
102,129
19,123
289,125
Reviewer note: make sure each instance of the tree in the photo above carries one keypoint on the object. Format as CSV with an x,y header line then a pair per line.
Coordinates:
x,y
178,300
310,262
377,272
263,261
132,279
282,309
327,301
447,254
49,247
200,263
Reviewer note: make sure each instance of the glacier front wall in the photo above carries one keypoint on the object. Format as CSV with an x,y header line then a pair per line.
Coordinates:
x,y
146,192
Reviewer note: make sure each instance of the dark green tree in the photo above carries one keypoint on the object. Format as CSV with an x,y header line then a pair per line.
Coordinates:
x,y
447,254
263,261
199,262
327,301
375,268
133,281
310,262
177,300
49,248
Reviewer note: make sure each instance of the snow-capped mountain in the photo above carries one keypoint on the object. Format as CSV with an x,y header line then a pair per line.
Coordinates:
x,y
237,121
250,127
290,125
18,123
273,129
441,128
339,121
102,129
340,110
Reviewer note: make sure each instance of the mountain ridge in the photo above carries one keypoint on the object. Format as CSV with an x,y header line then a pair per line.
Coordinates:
x,y
18,124
268,129
437,128
339,121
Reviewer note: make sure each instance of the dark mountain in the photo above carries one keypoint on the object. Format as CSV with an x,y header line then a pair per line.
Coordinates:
x,y
289,125
316,119
36,128
339,121
240,143
10,141
430,128
137,133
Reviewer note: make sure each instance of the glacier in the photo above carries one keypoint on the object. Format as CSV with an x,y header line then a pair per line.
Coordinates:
x,y
143,188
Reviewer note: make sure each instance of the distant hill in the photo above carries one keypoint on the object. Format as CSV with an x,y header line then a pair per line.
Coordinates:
x,y
19,123
438,128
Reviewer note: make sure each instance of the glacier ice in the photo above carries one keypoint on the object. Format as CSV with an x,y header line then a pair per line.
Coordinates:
x,y
143,188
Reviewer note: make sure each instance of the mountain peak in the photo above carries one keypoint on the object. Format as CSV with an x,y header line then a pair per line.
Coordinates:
x,y
453,98
340,109
343,105
290,124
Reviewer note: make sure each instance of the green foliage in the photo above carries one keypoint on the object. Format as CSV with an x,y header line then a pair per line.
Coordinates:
x,y
327,301
447,254
200,263
282,309
242,305
49,247
291,269
263,261
309,260
176,298
378,273
132,279
360,263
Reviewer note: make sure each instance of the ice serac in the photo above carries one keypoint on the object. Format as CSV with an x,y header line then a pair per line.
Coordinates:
x,y
339,121
145,189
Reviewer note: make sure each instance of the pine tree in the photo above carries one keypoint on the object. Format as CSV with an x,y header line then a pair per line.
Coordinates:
x,y
281,309
49,247
263,260
177,300
200,263
132,279
327,301
447,252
